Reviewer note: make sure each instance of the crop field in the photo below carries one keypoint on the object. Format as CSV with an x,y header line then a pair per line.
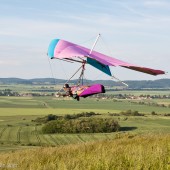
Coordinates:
x,y
50,105
140,92
20,134
17,130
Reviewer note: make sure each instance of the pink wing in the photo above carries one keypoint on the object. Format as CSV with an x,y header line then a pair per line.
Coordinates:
x,y
62,49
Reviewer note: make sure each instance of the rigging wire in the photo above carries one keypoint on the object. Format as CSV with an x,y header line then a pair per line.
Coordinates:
x,y
51,70
109,51
63,68
113,77
71,77
106,46
91,39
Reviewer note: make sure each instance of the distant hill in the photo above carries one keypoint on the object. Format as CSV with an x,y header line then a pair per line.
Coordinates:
x,y
133,84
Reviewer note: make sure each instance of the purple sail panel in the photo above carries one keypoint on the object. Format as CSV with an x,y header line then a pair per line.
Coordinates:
x,y
93,89
62,49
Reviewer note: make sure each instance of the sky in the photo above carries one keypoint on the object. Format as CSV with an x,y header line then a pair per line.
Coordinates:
x,y
134,31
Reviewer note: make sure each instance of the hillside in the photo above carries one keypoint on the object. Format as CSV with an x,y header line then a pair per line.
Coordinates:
x,y
133,84
124,152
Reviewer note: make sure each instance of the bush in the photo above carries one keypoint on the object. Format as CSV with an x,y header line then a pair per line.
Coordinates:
x,y
167,114
131,113
46,119
83,114
51,117
153,113
90,125
114,114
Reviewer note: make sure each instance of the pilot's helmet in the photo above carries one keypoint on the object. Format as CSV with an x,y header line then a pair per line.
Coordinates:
x,y
66,86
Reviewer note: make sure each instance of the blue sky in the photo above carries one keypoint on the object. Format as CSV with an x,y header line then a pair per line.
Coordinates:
x,y
134,31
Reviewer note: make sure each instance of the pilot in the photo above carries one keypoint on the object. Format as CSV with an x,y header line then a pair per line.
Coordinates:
x,y
67,90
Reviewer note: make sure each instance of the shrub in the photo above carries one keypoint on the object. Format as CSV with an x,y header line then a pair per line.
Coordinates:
x,y
90,125
46,119
131,113
153,113
167,114
51,117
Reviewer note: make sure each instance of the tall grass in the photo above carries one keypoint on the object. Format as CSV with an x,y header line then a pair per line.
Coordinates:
x,y
128,152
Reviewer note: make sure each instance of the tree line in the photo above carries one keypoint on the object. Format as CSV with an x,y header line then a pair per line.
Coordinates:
x,y
133,84
8,92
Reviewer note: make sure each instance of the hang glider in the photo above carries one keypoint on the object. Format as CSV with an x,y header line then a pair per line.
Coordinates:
x,y
67,51
64,50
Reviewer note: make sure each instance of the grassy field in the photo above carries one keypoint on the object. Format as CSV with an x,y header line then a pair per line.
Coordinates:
x,y
26,88
18,132
17,113
140,92
126,152
50,105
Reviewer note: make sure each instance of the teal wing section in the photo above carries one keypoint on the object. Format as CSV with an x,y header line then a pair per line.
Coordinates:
x,y
52,47
100,66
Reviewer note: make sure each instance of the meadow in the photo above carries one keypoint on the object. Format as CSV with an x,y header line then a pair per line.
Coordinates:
x,y
19,132
127,152
18,129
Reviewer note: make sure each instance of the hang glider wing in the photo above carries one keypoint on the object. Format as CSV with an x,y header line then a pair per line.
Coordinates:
x,y
61,49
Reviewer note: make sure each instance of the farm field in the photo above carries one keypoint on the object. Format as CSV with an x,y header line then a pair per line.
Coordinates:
x,y
22,142
50,105
140,92
17,130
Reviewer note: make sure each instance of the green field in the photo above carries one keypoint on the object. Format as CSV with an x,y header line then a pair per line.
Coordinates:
x,y
20,131
133,144
50,105
17,129
147,151
140,92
